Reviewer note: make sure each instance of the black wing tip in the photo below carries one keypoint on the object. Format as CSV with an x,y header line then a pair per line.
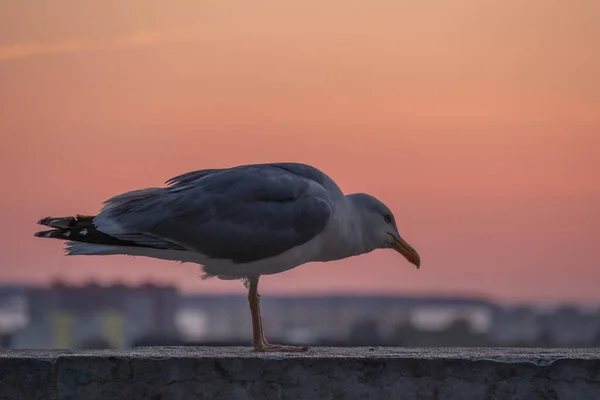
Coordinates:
x,y
57,222
45,221
40,234
66,222
53,233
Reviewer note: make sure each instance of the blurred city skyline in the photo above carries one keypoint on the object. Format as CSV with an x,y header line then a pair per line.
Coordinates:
x,y
124,316
477,122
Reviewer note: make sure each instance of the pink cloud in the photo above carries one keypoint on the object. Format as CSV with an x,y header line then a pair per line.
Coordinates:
x,y
134,39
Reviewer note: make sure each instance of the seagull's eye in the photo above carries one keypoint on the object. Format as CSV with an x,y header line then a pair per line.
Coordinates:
x,y
387,218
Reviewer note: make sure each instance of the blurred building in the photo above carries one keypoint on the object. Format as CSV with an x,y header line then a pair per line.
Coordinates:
x,y
119,316
14,315
332,318
563,325
388,320
92,315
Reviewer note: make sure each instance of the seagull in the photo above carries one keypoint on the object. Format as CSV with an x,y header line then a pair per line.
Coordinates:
x,y
238,223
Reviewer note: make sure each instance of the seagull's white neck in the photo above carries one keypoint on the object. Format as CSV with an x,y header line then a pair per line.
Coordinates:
x,y
345,233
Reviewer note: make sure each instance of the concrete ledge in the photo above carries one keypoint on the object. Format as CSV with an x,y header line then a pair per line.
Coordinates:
x,y
321,373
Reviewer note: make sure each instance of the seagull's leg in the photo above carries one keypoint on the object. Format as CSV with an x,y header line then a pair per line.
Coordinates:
x,y
254,302
259,341
262,332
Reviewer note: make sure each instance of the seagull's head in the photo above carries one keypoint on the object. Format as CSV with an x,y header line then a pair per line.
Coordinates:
x,y
379,229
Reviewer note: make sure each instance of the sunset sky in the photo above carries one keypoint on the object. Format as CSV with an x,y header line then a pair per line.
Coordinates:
x,y
477,121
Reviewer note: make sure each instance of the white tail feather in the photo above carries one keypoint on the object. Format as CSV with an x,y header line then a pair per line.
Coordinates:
x,y
88,249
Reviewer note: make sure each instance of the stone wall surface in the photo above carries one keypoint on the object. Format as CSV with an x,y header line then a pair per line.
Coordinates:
x,y
321,373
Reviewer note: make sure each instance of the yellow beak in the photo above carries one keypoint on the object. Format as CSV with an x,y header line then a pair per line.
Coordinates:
x,y
406,250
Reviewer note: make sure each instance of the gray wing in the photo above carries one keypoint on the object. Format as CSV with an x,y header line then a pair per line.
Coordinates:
x,y
242,214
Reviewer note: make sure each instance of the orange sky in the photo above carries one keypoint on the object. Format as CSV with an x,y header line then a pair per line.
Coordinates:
x,y
478,122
